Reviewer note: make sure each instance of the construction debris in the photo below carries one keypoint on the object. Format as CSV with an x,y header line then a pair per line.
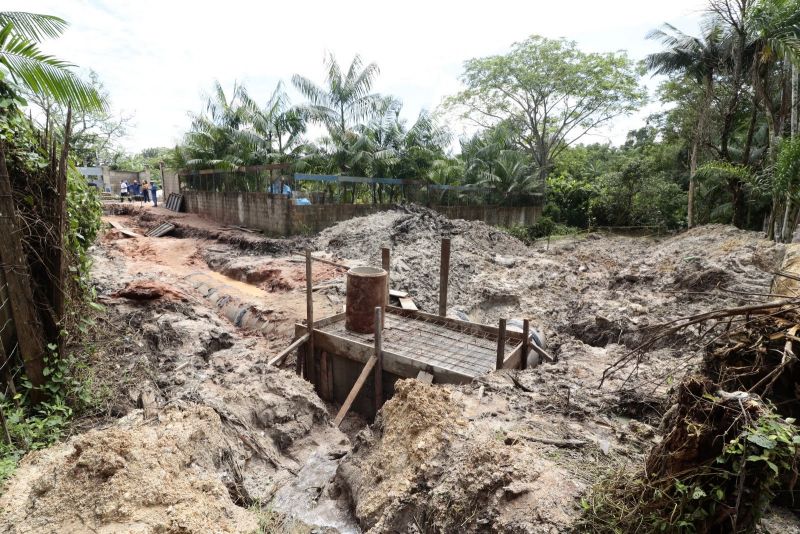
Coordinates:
x,y
161,230
174,202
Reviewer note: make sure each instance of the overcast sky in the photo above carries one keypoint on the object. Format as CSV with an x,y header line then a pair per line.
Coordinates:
x,y
157,58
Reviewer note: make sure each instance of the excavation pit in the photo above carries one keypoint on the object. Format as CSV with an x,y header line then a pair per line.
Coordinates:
x,y
448,350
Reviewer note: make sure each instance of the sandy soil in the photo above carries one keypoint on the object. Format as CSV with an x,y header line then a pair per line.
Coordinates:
x,y
197,315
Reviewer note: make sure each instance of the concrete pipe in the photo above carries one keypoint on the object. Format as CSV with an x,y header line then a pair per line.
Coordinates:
x,y
366,289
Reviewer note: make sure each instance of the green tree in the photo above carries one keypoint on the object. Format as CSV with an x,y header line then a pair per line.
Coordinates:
x,y
551,92
25,64
214,139
275,130
346,98
699,58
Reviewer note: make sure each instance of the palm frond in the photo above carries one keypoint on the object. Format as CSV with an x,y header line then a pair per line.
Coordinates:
x,y
33,26
45,74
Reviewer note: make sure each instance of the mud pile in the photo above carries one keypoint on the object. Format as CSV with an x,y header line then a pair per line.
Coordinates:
x,y
414,234
461,459
163,475
599,289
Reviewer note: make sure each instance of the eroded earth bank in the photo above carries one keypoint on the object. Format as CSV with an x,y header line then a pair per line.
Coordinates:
x,y
197,433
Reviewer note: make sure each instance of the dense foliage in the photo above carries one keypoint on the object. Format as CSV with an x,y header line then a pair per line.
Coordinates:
x,y
37,409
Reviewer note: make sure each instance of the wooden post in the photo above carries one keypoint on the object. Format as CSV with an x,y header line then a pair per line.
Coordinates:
x,y
309,316
385,265
526,332
60,224
444,276
378,361
20,285
501,344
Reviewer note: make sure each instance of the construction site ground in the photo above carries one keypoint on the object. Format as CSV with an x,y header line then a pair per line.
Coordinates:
x,y
195,432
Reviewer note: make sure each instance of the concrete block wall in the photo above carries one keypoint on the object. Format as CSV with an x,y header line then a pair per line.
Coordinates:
x,y
171,183
253,210
317,217
279,216
494,215
113,178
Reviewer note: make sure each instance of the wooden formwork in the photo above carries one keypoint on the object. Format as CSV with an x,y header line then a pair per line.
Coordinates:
x,y
452,351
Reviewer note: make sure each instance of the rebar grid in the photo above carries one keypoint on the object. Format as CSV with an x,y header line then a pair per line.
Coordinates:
x,y
428,340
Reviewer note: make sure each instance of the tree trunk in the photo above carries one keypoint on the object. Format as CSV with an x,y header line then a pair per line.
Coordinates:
x,y
20,286
708,85
751,130
795,126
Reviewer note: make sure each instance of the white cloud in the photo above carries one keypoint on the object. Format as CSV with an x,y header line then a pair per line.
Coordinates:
x,y
157,58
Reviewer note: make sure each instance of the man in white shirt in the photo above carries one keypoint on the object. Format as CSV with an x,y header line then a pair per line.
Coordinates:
x,y
123,190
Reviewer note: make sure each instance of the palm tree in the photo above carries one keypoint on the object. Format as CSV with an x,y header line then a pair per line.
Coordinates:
x,y
699,58
214,139
26,65
346,98
276,130
774,48
511,175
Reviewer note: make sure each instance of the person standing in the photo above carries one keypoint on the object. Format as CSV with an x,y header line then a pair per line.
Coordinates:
x,y
146,191
123,190
154,189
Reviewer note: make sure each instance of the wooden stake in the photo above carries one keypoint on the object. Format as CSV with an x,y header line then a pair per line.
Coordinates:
x,y
309,315
444,276
378,360
285,352
60,224
20,286
356,389
526,331
501,344
385,265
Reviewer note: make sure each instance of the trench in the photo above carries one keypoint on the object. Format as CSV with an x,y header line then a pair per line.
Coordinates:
x,y
258,288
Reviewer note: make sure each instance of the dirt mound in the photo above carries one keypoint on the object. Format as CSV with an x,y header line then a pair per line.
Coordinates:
x,y
414,234
266,272
138,476
424,463
147,290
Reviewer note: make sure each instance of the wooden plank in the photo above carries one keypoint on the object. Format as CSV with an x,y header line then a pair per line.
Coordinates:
x,y
526,332
385,266
501,344
309,316
378,360
513,359
425,378
543,353
277,360
407,303
362,378
444,276
398,294
325,321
